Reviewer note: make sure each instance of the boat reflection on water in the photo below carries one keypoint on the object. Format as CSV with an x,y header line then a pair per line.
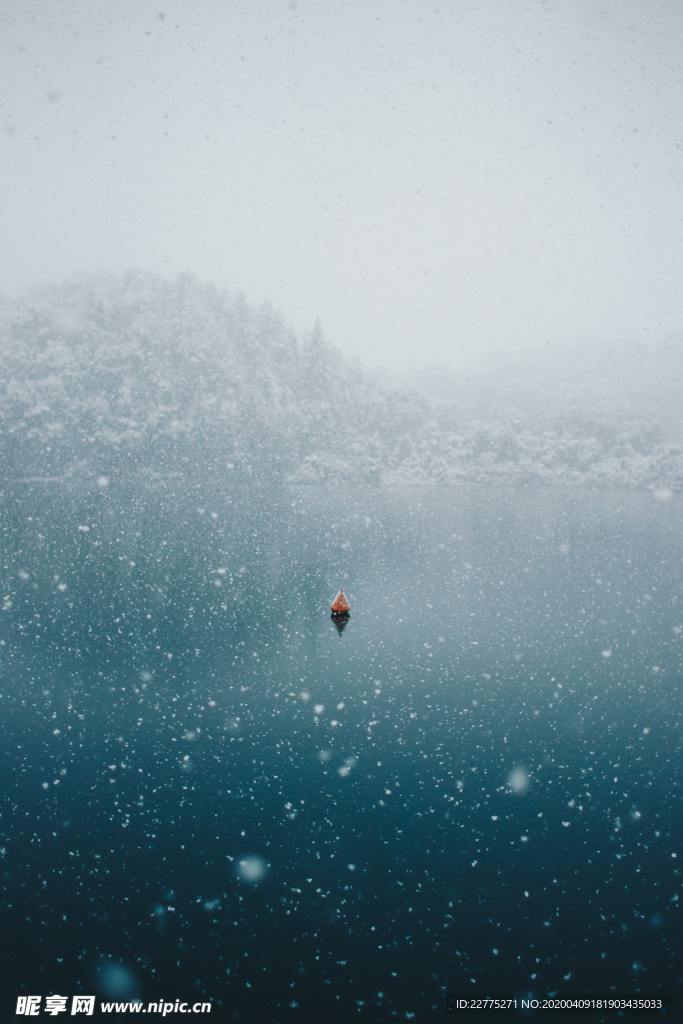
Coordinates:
x,y
340,621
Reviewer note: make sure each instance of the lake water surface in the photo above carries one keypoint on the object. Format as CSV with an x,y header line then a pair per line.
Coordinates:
x,y
211,790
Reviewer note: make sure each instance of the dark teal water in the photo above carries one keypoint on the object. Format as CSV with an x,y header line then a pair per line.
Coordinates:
x,y
211,791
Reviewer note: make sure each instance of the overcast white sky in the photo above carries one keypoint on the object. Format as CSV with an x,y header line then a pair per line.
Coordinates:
x,y
434,180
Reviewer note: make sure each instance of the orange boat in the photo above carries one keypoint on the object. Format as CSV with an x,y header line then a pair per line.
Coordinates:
x,y
340,606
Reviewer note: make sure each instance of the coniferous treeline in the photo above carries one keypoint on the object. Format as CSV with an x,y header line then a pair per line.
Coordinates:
x,y
142,375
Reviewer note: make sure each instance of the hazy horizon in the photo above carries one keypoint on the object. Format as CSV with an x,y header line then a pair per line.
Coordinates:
x,y
437,184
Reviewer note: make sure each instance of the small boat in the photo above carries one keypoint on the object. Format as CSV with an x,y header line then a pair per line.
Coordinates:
x,y
340,606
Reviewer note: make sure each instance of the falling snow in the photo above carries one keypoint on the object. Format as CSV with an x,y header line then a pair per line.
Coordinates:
x,y
217,790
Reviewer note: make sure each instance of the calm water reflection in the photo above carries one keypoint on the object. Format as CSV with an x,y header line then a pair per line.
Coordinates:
x,y
211,789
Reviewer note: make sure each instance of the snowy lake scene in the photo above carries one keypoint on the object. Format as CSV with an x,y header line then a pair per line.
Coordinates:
x,y
341,510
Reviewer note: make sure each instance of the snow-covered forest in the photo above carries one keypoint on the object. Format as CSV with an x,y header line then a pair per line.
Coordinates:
x,y
142,375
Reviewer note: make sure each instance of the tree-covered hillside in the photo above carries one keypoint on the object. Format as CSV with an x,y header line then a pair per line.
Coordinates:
x,y
139,375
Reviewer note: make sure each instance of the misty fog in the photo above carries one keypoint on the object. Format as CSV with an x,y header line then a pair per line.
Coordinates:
x,y
432,181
